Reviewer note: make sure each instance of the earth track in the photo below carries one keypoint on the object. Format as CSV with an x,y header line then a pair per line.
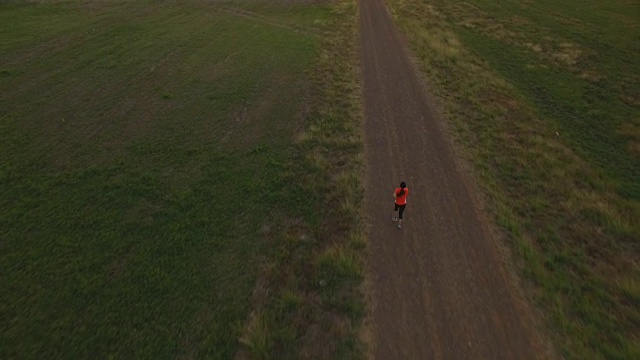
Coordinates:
x,y
440,287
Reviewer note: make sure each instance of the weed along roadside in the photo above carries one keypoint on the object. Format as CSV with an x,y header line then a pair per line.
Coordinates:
x,y
315,304
180,180
542,98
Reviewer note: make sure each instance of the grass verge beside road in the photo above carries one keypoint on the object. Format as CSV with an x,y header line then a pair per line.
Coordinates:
x,y
314,306
543,97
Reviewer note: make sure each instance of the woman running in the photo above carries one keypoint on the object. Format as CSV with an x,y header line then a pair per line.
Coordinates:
x,y
400,196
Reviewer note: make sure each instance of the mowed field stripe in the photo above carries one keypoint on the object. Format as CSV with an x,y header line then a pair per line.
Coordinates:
x,y
132,222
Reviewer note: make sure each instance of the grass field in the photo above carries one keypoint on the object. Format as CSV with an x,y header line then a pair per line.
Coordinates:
x,y
544,98
155,179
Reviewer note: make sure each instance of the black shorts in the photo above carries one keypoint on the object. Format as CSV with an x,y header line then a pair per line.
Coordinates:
x,y
401,207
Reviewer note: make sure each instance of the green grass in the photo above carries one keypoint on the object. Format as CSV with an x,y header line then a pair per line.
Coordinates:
x,y
584,77
543,97
316,307
150,170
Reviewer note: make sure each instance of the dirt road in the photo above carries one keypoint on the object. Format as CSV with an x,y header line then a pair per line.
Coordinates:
x,y
440,288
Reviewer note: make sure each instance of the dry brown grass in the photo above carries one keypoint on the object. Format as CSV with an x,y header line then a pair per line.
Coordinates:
x,y
631,131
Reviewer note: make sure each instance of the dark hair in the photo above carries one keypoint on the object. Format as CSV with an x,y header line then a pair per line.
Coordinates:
x,y
402,186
